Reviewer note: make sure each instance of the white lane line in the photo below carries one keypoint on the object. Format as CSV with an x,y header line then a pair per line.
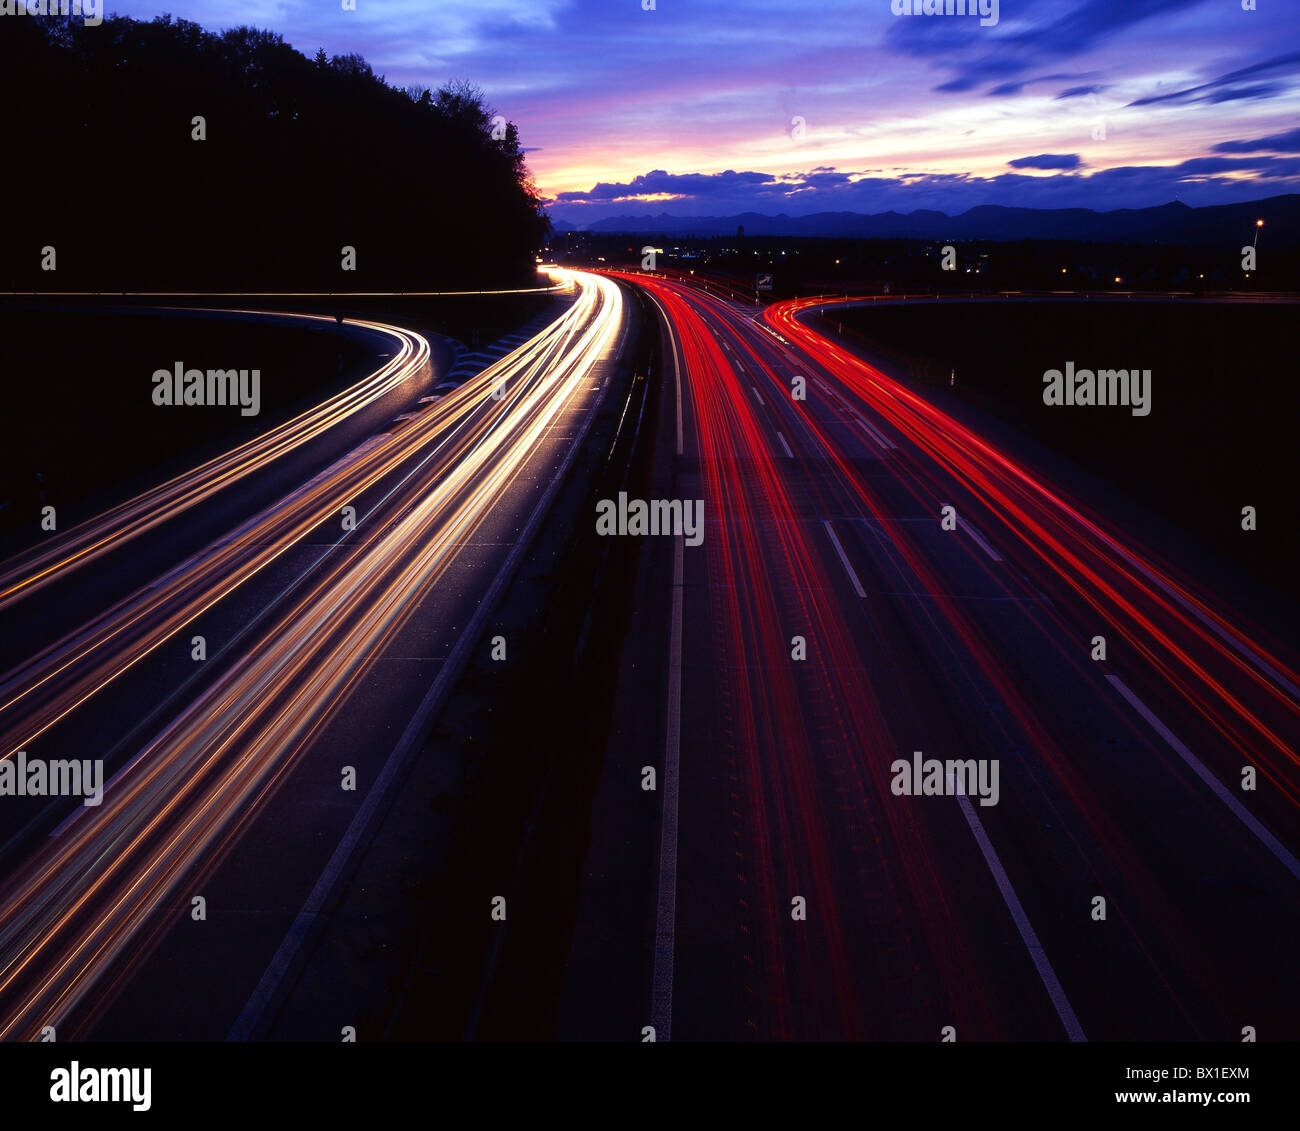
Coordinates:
x,y
677,376
883,440
844,560
1266,838
677,365
661,997
873,440
1051,983
757,397
830,392
1241,647
992,553
785,445
880,438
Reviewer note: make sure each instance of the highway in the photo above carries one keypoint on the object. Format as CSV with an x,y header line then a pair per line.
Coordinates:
x,y
879,585
1122,881
54,558
307,607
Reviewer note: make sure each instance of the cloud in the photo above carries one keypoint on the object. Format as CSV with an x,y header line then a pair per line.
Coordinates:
x,y
1080,91
1288,142
1220,89
694,186
981,71
1048,161
1244,93
1091,23
600,90
1036,35
1261,166
1196,181
1015,86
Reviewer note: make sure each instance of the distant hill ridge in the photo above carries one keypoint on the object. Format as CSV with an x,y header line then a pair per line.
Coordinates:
x,y
1165,223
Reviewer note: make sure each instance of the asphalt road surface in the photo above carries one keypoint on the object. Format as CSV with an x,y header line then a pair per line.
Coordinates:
x,y
1116,880
233,783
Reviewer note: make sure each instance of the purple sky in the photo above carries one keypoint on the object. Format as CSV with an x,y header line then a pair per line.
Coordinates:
x,y
710,107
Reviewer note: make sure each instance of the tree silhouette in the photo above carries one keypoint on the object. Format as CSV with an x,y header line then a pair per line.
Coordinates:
x,y
301,158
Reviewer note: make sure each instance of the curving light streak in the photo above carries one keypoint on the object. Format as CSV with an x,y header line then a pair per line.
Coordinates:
x,y
766,576
49,685
75,908
1248,694
27,572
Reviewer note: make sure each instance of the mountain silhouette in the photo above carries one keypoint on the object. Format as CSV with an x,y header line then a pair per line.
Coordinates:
x,y
1173,223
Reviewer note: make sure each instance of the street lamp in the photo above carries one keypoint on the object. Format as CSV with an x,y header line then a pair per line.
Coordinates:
x,y
1258,224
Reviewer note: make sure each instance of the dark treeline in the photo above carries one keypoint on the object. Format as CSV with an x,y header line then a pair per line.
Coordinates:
x,y
302,157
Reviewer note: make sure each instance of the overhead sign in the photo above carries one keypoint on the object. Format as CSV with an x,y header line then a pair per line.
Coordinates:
x,y
763,282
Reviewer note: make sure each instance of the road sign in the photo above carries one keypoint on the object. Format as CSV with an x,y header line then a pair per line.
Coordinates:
x,y
762,282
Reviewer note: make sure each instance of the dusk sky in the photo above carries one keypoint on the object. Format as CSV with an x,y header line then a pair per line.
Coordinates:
x,y
690,108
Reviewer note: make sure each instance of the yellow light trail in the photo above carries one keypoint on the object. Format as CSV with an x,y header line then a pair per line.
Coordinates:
x,y
80,903
25,573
